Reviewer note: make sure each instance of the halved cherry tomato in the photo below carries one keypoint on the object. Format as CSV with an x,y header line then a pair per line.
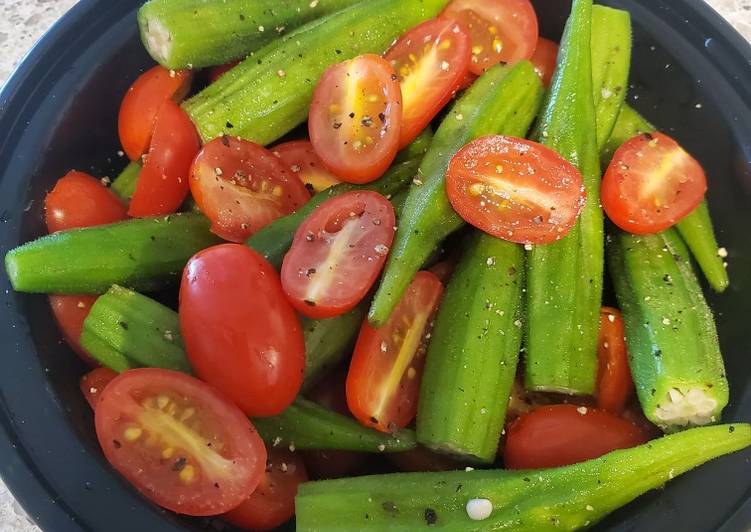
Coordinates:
x,y
179,442
70,313
545,59
444,269
356,117
218,71
558,435
273,502
501,30
163,182
431,60
142,103
651,184
80,200
240,333
614,383
93,383
242,187
337,253
299,158
384,377
515,189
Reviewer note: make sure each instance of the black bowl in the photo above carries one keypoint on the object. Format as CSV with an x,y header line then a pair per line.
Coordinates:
x,y
691,76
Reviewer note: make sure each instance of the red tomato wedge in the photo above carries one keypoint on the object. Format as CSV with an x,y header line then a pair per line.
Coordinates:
x,y
70,313
432,61
80,200
240,333
179,442
337,253
501,30
300,159
515,189
651,184
559,435
273,502
163,182
545,59
242,187
93,383
356,117
384,377
142,102
218,71
614,384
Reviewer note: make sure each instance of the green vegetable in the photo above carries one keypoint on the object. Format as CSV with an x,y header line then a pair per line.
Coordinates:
x,y
144,332
503,101
269,94
105,354
473,352
566,498
200,33
670,332
306,425
629,124
143,254
564,279
124,185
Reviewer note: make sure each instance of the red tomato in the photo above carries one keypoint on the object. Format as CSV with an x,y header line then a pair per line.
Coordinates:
x,y
240,333
432,61
386,370
70,313
273,502
299,158
242,187
614,383
515,189
558,435
93,383
218,71
651,184
356,117
79,200
163,182
179,442
545,59
501,30
468,80
142,103
337,253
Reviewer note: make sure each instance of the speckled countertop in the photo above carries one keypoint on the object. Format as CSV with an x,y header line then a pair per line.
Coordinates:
x,y
21,24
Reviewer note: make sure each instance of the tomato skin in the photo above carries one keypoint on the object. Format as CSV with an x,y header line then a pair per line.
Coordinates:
x,y
254,352
545,59
163,182
80,200
273,502
299,158
151,423
356,137
651,184
337,253
614,383
93,383
384,377
559,435
218,71
70,313
142,102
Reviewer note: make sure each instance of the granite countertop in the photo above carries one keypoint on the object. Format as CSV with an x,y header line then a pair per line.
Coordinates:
x,y
21,24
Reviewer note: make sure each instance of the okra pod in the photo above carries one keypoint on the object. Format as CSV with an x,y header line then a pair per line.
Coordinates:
x,y
124,184
504,100
672,342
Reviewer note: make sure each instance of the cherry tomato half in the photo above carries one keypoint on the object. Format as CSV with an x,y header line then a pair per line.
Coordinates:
x,y
501,30
614,383
558,435
179,442
93,383
142,103
432,61
218,71
299,158
242,187
273,502
651,184
80,200
240,333
337,253
515,189
356,117
70,313
384,377
163,182
545,59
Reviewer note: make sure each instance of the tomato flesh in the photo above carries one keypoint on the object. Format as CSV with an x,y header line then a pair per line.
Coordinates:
x,y
179,442
355,118
93,383
614,383
515,189
651,184
70,313
80,200
299,158
384,377
545,59
337,253
241,186
218,71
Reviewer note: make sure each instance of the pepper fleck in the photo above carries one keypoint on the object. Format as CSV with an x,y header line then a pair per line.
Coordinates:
x,y
179,464
431,517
